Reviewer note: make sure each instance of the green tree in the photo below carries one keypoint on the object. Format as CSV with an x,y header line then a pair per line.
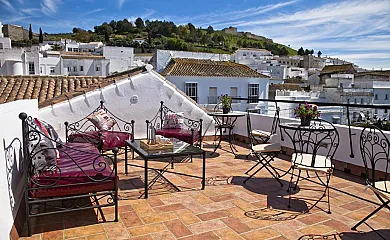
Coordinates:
x,y
106,37
210,30
40,35
56,47
307,51
283,51
301,52
139,23
206,38
102,29
311,51
191,27
123,27
319,53
30,33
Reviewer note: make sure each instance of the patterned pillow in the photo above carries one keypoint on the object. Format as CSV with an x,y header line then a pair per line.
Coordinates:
x,y
101,120
173,120
41,149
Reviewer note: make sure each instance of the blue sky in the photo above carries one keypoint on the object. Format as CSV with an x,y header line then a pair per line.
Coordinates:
x,y
355,30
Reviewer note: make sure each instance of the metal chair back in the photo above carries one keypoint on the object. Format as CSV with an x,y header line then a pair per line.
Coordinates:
x,y
375,151
321,138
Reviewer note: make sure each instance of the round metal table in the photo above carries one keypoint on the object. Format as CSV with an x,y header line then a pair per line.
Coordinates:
x,y
223,122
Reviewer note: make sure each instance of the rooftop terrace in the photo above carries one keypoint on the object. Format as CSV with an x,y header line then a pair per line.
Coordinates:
x,y
226,209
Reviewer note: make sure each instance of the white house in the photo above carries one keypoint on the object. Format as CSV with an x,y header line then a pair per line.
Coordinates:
x,y
205,80
120,58
163,57
84,65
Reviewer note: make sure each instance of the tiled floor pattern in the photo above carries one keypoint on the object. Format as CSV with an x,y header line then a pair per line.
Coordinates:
x,y
226,209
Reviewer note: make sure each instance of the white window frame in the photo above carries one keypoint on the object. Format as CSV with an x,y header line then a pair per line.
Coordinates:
x,y
52,70
253,92
213,99
31,68
191,89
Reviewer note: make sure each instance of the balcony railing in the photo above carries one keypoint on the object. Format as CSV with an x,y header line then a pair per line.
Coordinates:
x,y
212,99
347,109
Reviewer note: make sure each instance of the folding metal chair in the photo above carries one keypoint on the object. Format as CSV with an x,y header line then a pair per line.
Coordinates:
x,y
314,149
260,136
264,152
375,150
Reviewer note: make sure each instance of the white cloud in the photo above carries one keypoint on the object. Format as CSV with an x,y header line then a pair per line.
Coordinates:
x,y
49,7
145,15
8,4
94,11
120,3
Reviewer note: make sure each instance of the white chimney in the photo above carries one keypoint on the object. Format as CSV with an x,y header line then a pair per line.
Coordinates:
x,y
1,30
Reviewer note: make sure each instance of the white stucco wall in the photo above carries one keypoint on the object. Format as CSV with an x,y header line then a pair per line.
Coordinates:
x,y
223,85
121,58
149,87
264,122
11,184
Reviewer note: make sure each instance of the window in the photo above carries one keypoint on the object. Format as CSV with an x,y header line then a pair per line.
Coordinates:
x,y
213,96
191,89
1,45
234,93
386,110
387,96
75,49
362,101
348,100
376,96
41,70
69,49
69,69
97,68
253,93
52,70
74,69
355,101
31,68
341,85
81,68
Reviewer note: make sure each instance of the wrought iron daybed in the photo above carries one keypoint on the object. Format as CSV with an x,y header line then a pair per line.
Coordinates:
x,y
76,178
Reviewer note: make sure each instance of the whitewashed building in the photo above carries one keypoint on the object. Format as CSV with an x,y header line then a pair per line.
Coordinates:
x,y
205,80
163,57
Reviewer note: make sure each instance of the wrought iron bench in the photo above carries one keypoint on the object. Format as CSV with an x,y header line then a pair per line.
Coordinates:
x,y
84,130
190,132
76,177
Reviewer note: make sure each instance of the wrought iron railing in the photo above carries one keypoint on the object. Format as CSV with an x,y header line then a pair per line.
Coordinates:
x,y
346,108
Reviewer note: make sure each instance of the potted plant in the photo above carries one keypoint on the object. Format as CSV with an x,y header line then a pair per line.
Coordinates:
x,y
226,103
306,112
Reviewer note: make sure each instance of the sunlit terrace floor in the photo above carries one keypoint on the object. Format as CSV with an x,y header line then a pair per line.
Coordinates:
x,y
226,209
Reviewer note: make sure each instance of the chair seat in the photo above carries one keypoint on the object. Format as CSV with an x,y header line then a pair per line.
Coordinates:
x,y
110,139
267,147
304,162
382,188
260,133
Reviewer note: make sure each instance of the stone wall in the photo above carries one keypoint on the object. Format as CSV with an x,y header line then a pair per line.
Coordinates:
x,y
16,33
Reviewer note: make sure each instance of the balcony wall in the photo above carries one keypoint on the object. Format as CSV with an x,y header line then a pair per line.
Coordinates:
x,y
264,122
136,99
11,182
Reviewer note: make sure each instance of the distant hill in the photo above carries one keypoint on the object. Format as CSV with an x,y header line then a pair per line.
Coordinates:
x,y
151,35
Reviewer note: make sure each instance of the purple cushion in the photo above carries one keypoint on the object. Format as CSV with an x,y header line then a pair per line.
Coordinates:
x,y
110,139
184,135
82,178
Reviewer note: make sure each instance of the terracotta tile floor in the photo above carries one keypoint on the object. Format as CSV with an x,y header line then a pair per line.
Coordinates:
x,y
226,209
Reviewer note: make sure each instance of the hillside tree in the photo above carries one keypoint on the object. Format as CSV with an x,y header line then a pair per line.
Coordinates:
x,y
40,35
139,23
30,33
301,52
